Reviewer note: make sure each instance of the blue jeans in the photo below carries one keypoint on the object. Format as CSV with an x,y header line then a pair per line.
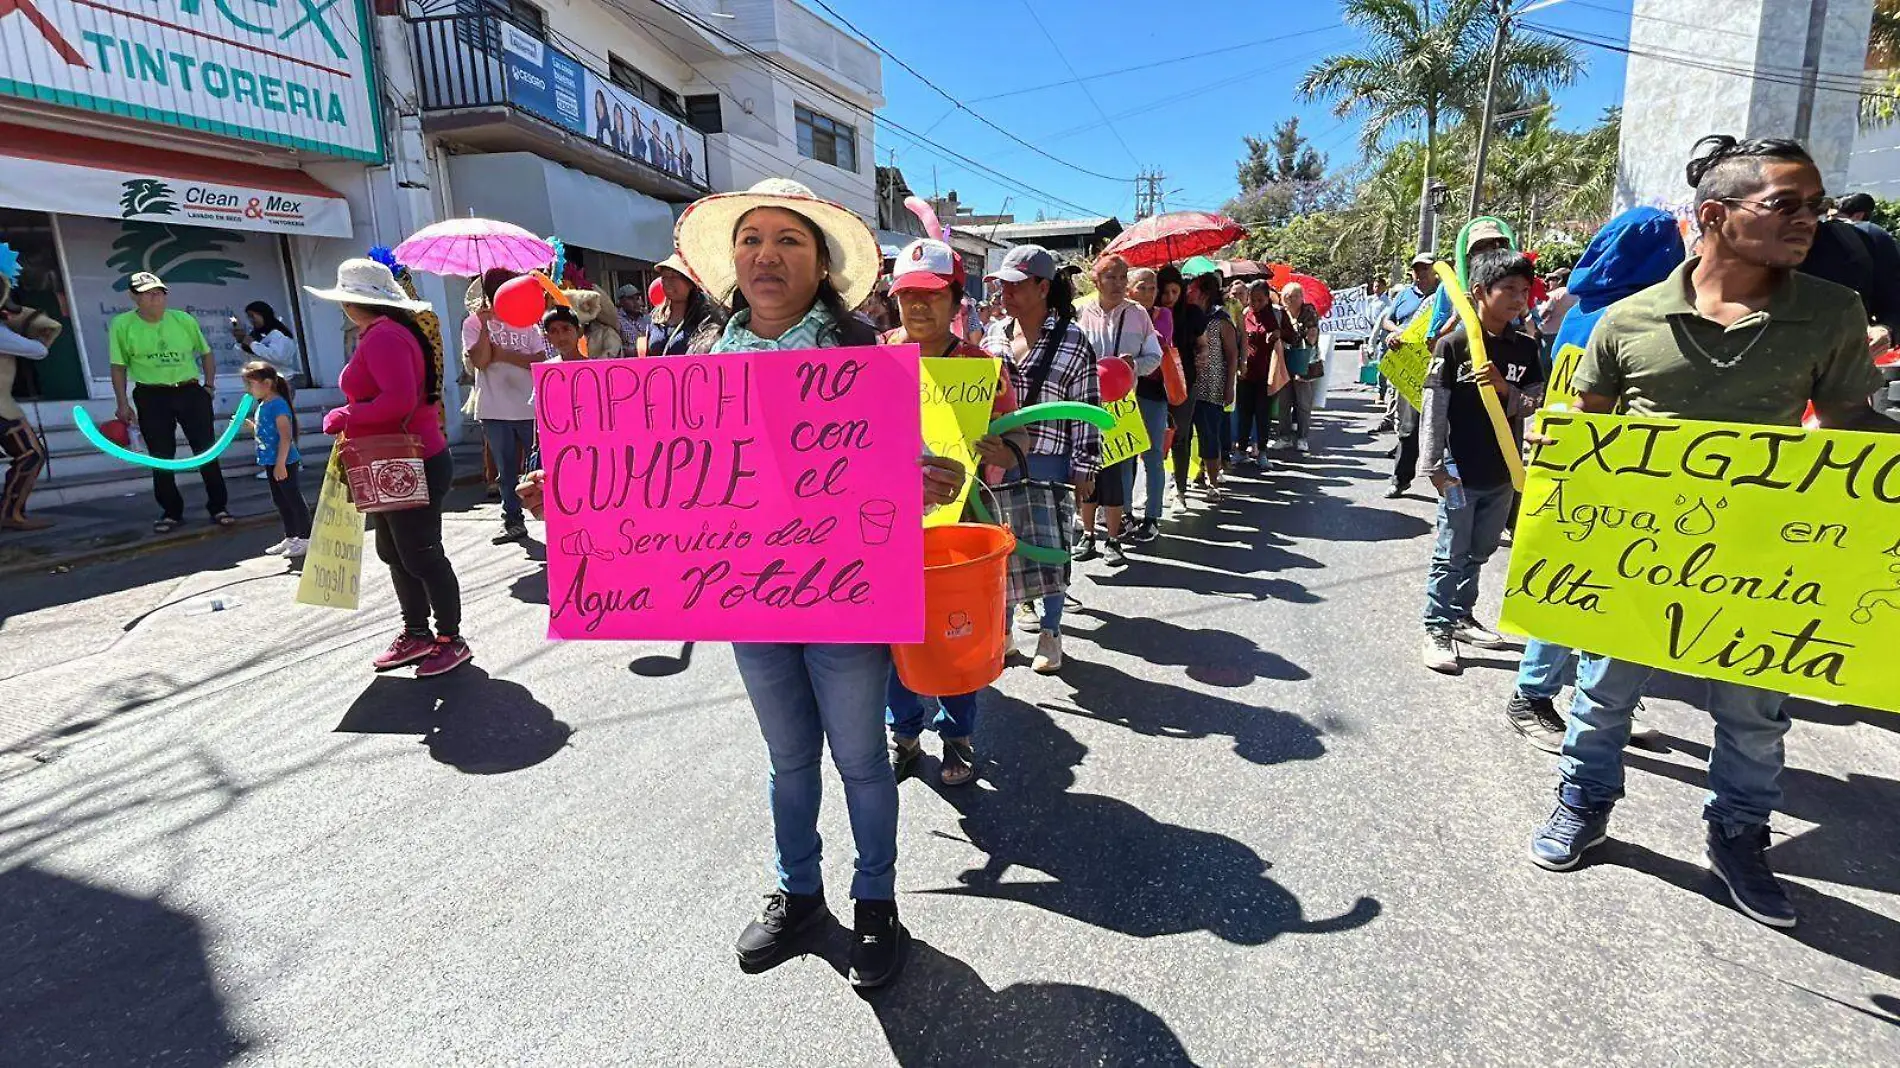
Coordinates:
x,y
1154,462
1744,767
1048,467
508,441
805,697
1466,539
1545,670
904,711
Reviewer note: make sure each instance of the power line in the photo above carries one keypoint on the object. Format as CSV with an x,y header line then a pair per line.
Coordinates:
x,y
891,125
961,106
1118,72
1788,76
1079,83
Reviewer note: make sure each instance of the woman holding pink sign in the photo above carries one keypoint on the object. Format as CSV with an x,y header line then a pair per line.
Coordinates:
x,y
792,266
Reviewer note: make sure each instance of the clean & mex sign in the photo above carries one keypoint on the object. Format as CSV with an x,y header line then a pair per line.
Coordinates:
x,y
284,72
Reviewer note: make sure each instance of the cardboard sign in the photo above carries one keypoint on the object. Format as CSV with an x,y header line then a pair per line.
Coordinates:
x,y
1129,438
750,497
1557,392
1406,365
333,569
958,395
1764,555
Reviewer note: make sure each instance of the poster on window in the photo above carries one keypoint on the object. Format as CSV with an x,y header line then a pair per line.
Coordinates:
x,y
632,127
209,271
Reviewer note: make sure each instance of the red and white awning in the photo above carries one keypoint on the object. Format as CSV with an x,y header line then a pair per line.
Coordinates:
x,y
71,174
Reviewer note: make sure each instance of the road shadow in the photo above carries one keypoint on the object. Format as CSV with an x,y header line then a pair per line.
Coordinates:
x,y
1838,928
1261,735
660,665
1215,657
1105,862
478,724
1841,715
1852,842
940,1011
95,976
1162,573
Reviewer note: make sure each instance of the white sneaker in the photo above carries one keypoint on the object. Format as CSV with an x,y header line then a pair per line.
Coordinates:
x,y
1304,447
1441,653
1048,654
1472,632
279,548
299,547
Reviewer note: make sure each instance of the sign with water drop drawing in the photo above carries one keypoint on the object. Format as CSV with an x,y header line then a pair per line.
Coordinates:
x,y
1763,555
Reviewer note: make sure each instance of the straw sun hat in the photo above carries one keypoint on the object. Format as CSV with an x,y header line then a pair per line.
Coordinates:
x,y
704,238
363,281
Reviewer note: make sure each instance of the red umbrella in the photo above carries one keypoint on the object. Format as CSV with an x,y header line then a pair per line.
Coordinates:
x,y
1317,293
1162,239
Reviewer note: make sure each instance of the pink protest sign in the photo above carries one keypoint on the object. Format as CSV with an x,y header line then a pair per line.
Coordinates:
x,y
751,497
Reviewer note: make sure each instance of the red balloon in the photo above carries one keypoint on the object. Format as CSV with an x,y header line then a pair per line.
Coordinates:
x,y
1118,379
115,431
520,302
656,294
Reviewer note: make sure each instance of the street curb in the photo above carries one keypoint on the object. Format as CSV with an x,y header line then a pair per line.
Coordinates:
x,y
185,536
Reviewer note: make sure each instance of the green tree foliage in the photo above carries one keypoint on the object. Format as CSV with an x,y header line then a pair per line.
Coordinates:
x,y
1279,177
1419,68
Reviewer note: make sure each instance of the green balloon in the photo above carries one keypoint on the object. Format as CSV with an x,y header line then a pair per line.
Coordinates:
x,y
1052,411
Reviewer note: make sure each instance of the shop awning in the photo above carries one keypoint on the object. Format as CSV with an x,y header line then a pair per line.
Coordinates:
x,y
71,174
556,201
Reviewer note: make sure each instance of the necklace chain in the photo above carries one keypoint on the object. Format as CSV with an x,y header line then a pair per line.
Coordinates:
x,y
1720,364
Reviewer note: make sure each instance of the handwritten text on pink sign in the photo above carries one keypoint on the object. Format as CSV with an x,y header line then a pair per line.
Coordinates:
x,y
770,496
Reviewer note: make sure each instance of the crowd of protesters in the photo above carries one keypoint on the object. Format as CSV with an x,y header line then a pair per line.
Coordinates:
x,y
1226,374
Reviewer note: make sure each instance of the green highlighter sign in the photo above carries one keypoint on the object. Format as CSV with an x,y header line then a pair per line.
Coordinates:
x,y
286,72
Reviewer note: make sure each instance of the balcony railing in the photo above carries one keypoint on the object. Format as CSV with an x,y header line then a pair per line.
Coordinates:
x,y
481,61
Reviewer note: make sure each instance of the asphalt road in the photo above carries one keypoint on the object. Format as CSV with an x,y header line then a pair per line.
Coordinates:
x,y
1243,827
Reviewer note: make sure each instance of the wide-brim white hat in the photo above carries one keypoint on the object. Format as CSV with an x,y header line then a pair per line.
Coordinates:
x,y
703,238
364,281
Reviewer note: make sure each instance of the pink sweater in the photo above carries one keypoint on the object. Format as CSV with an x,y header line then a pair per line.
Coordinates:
x,y
384,384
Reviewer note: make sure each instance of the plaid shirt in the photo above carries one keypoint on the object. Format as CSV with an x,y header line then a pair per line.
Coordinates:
x,y
1072,376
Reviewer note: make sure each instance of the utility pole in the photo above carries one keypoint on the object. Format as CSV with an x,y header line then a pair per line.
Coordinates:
x,y
1148,192
1502,9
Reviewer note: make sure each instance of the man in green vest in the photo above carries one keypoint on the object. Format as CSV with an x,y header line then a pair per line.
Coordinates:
x,y
163,354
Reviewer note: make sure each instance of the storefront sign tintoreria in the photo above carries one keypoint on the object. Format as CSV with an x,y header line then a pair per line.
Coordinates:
x,y
287,72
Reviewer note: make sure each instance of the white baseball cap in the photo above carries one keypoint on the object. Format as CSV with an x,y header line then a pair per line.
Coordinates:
x,y
926,265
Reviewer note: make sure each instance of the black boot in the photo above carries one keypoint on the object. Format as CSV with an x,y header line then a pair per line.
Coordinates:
x,y
877,944
786,917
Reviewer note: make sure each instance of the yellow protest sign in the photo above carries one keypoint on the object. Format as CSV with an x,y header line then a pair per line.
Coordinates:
x,y
1493,406
1763,555
1557,392
1405,366
333,569
958,392
1129,438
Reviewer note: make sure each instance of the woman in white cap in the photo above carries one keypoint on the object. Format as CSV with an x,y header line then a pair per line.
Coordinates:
x,y
927,286
1053,361
670,333
792,267
394,386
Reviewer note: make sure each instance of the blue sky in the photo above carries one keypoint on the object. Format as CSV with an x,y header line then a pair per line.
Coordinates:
x,y
996,47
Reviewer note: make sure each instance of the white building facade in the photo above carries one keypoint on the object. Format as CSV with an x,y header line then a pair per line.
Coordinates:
x,y
242,151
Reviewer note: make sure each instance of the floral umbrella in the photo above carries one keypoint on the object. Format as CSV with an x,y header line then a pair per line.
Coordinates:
x,y
471,247
1163,239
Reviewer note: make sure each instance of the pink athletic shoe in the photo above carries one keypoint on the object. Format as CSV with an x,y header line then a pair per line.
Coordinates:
x,y
406,649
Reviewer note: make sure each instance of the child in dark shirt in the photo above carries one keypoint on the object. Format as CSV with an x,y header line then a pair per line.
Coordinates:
x,y
1462,455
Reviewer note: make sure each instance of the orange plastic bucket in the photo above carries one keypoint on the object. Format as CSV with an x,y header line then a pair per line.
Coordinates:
x,y
966,575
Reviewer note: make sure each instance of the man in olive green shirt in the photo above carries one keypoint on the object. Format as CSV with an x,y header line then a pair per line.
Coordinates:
x,y
163,354
1734,335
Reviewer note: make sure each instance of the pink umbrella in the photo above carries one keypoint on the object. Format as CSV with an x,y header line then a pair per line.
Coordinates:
x,y
472,247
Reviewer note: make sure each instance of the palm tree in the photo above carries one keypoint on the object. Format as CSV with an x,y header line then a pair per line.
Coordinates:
x,y
1417,70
